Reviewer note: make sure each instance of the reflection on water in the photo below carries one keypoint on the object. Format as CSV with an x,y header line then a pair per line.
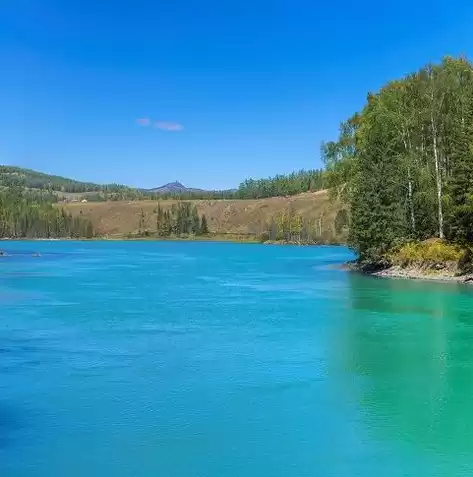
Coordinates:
x,y
411,346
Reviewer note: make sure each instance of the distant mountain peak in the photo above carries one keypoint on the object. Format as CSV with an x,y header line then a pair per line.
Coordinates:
x,y
172,187
175,184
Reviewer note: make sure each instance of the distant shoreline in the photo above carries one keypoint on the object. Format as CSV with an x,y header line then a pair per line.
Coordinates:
x,y
197,238
129,239
217,238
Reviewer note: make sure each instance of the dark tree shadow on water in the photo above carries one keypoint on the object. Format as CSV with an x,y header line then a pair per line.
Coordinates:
x,y
408,361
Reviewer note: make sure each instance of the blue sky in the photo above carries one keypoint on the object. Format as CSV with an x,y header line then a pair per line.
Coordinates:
x,y
206,92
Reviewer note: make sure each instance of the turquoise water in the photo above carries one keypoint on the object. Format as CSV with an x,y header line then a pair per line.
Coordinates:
x,y
225,360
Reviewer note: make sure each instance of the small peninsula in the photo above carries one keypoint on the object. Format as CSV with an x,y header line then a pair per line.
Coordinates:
x,y
403,166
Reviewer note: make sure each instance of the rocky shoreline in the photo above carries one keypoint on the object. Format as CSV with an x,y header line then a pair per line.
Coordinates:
x,y
440,272
415,273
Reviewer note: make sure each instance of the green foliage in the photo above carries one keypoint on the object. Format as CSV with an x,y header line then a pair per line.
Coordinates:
x,y
404,164
459,188
204,229
281,185
16,176
339,157
180,220
27,215
342,221
377,215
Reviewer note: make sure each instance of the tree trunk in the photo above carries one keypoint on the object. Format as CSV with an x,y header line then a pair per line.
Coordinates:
x,y
438,176
411,202
408,148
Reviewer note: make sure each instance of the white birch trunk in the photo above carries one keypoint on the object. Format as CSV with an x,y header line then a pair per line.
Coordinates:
x,y
411,202
438,176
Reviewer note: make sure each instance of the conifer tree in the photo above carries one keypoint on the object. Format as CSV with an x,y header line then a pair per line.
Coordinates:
x,y
405,170
204,229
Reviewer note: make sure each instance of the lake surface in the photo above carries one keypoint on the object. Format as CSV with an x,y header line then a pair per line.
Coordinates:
x,y
228,360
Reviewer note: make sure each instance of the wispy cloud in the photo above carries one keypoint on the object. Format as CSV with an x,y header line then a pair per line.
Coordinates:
x,y
169,126
144,121
163,125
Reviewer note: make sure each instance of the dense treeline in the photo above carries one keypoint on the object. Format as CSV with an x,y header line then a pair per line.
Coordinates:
x,y
281,185
136,194
404,164
180,219
27,215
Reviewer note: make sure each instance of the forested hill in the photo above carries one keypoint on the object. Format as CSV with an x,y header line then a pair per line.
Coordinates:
x,y
404,163
310,217
282,208
279,185
17,176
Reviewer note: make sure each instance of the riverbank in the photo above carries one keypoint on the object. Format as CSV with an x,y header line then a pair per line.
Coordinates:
x,y
417,273
410,273
237,238
211,237
231,238
431,259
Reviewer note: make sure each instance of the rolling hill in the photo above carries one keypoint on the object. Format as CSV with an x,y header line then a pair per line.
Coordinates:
x,y
12,175
117,211
244,217
64,187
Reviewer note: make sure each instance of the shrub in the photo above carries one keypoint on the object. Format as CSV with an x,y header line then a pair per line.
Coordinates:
x,y
264,237
428,252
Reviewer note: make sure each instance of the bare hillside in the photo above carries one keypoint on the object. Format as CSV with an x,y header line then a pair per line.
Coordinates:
x,y
224,216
